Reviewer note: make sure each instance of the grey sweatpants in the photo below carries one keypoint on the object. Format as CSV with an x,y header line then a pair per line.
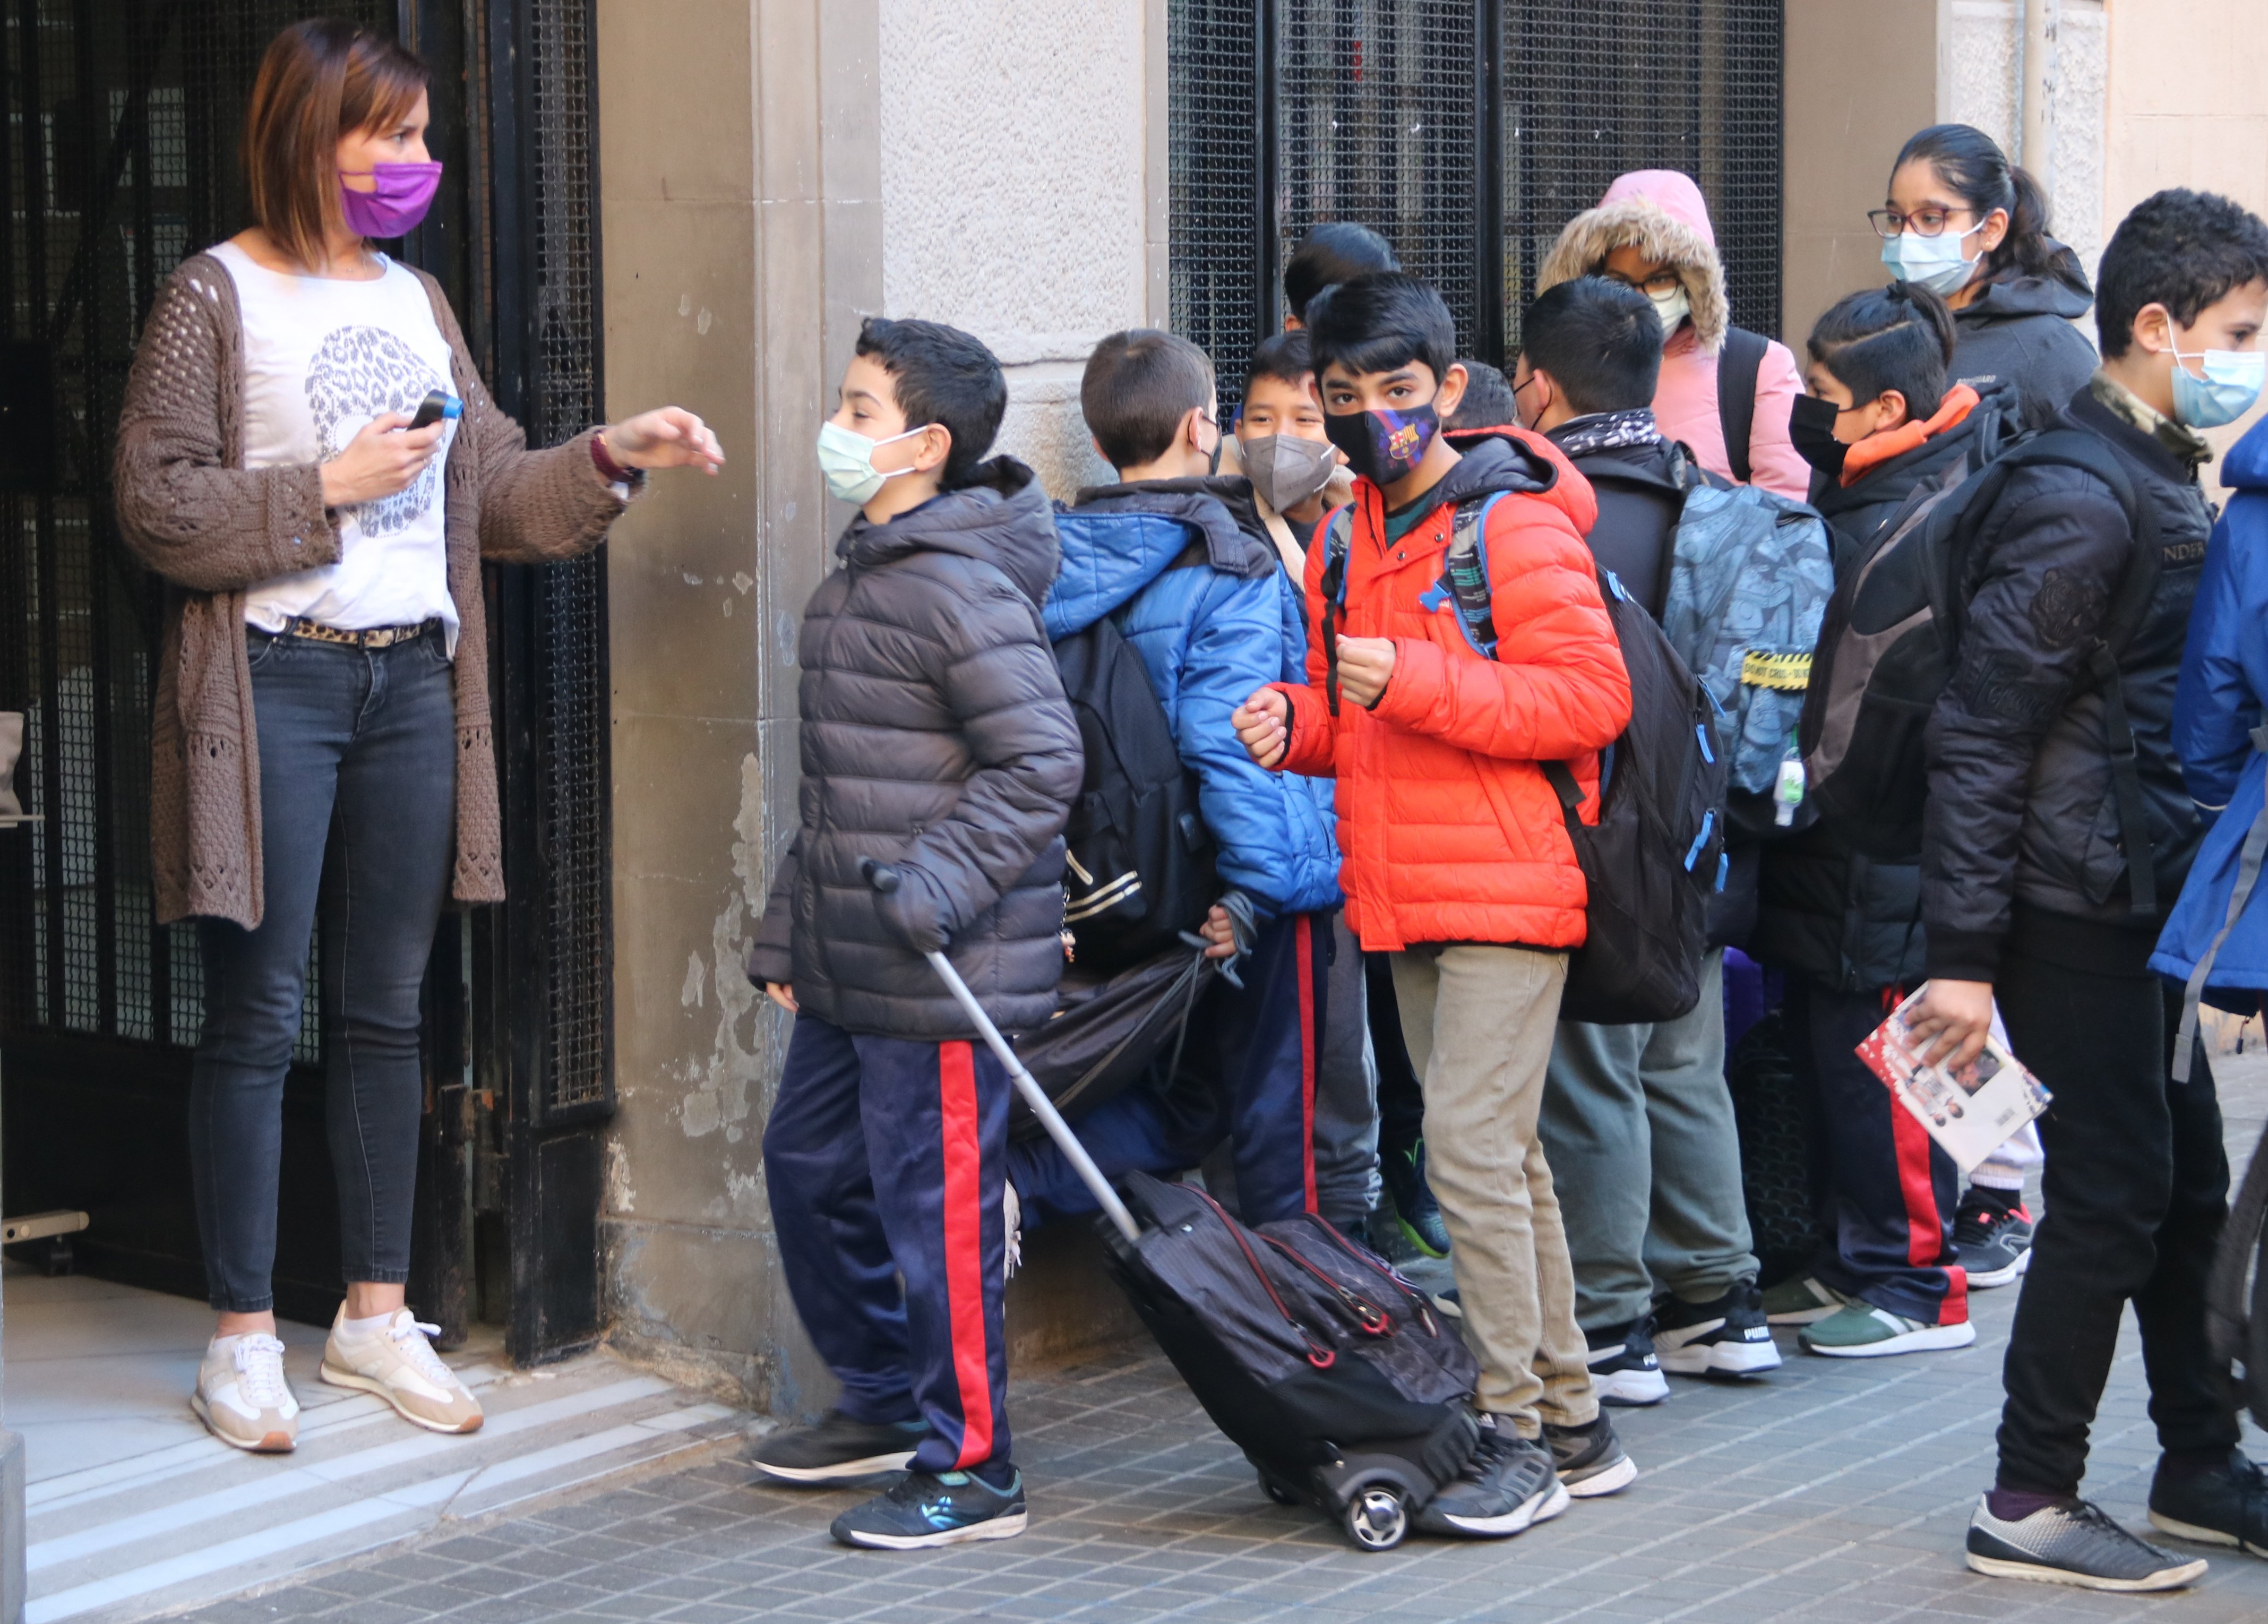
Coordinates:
x,y
1346,1092
1639,1126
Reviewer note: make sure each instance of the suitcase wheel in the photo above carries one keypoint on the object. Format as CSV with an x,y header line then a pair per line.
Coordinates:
x,y
1377,1518
1276,1492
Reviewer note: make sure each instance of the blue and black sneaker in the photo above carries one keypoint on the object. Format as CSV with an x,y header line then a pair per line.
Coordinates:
x,y
928,1509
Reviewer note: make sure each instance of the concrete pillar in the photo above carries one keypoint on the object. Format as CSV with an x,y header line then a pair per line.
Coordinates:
x,y
1861,75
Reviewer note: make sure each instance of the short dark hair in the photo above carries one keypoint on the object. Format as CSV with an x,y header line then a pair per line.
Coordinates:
x,y
2182,249
1378,321
1140,384
942,376
1488,403
1973,167
1288,358
1338,252
1599,339
1899,337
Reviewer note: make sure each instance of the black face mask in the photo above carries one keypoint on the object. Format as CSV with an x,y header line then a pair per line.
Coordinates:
x,y
1384,447
1811,430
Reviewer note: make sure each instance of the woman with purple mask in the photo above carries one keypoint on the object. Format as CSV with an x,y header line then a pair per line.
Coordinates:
x,y
323,683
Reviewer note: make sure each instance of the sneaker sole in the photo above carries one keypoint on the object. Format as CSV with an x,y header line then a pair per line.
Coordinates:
x,y
844,1471
1718,1358
268,1443
1606,1480
2168,1579
2001,1276
1540,1507
336,1377
993,1528
1630,1389
2197,1535
1929,1339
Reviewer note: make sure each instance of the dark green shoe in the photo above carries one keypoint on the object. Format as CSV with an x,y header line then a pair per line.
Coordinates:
x,y
1415,1210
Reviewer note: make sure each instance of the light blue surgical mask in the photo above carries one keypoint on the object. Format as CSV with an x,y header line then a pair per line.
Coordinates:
x,y
2231,384
846,456
1934,262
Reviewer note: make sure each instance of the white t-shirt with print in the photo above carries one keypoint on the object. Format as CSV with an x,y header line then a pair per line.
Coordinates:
x,y
321,358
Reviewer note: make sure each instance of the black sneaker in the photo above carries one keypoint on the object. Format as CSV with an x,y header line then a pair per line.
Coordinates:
x,y
1590,1461
1993,1241
945,1508
2074,1543
1624,1368
1415,1209
838,1448
1726,1337
2227,1505
1508,1485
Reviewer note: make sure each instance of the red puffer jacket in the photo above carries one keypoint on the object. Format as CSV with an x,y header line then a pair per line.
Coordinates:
x,y
1448,829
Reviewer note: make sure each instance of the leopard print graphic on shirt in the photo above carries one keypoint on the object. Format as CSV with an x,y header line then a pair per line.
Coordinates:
x,y
359,373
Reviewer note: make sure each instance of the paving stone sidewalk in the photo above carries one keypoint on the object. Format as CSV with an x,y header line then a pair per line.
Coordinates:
x,y
1835,1490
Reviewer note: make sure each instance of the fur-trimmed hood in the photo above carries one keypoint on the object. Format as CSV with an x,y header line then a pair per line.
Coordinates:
x,y
1662,214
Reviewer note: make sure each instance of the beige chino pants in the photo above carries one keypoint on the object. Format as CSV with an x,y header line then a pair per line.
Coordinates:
x,y
1479,1021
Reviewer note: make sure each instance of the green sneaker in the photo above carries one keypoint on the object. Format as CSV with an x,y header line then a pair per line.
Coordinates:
x,y
1800,1300
1858,1330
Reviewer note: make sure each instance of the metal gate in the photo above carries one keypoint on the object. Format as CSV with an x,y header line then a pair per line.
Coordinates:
x,y
118,131
1466,132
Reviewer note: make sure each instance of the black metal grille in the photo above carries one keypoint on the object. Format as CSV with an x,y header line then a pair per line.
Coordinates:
x,y
1442,123
1594,90
120,132
572,697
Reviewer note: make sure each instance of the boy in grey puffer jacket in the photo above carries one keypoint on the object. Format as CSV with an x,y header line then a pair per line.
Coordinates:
x,y
936,739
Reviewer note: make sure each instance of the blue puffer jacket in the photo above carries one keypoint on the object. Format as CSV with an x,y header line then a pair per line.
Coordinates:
x,y
1223,623
2224,685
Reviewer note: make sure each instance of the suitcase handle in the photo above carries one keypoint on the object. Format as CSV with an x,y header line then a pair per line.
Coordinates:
x,y
884,879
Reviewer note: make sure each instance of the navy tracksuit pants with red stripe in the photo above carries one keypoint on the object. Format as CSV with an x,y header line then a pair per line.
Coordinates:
x,y
1248,1075
884,1159
1887,1192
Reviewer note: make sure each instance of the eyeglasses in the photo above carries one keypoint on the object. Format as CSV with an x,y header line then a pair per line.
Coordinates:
x,y
1661,284
1925,222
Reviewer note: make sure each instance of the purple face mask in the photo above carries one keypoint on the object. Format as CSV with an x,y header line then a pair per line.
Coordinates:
x,y
405,192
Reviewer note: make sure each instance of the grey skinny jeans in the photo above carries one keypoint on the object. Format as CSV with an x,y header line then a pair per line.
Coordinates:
x,y
357,761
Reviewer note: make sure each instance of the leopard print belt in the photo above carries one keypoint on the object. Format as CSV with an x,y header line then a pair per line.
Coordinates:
x,y
373,637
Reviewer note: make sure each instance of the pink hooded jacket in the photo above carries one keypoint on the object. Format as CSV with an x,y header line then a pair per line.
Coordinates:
x,y
1660,212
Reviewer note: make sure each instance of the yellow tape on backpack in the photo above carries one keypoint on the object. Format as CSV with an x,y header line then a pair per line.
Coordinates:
x,y
1789,673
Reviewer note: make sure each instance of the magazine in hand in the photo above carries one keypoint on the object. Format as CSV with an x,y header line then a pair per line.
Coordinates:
x,y
1970,1109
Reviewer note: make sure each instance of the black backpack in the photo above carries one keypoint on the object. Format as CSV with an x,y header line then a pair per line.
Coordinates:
x,y
1892,639
1657,853
1139,867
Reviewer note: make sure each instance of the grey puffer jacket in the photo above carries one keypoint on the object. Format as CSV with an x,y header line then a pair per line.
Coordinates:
x,y
936,739
2018,331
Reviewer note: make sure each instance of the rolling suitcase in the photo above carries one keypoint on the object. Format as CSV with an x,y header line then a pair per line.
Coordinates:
x,y
1332,1373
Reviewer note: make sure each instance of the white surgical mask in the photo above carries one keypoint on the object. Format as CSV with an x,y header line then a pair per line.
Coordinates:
x,y
2231,384
846,456
1673,307
1934,262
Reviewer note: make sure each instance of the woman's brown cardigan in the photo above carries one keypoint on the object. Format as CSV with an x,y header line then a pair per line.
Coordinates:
x,y
213,529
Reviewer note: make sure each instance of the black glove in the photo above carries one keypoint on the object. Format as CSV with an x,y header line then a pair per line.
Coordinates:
x,y
914,912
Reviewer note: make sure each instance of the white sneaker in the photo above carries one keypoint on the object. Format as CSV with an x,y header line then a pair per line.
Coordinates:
x,y
242,1397
1012,1228
399,1365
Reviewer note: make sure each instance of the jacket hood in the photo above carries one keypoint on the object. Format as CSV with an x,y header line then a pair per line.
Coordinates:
x,y
2246,466
1117,539
1001,518
1993,415
1661,213
1515,459
2064,291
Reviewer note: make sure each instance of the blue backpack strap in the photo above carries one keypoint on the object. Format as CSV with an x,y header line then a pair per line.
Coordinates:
x,y
1338,542
1464,579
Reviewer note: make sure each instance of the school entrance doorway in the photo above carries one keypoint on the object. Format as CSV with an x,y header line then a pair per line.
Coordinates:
x,y
120,122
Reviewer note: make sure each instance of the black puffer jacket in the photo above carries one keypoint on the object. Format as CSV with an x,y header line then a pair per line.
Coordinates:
x,y
936,738
2019,332
2019,795
1827,912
